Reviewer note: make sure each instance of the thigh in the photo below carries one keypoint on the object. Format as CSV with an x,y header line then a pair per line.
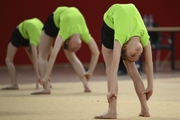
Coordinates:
x,y
16,38
45,44
11,51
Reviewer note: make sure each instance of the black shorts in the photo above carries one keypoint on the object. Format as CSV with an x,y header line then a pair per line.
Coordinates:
x,y
18,40
50,27
107,36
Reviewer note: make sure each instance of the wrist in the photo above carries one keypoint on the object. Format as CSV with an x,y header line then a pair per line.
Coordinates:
x,y
38,77
150,86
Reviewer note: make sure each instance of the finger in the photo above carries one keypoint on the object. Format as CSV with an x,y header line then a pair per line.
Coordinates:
x,y
42,82
148,96
88,77
144,92
110,96
109,99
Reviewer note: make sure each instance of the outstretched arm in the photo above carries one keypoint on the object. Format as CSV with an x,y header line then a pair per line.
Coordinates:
x,y
32,54
52,58
149,70
94,57
34,60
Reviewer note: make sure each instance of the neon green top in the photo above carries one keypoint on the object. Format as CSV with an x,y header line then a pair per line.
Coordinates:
x,y
71,21
31,29
126,22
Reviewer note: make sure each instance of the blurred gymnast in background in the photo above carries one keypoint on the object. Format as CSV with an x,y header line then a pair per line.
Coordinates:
x,y
68,26
26,34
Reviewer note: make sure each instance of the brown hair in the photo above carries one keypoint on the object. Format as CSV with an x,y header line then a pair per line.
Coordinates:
x,y
65,46
123,52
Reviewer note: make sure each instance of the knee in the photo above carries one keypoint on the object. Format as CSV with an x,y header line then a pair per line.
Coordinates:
x,y
8,60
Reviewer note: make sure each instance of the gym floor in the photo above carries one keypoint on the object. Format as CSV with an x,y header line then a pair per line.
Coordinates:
x,y
68,101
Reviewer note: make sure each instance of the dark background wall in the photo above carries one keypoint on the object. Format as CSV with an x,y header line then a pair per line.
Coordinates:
x,y
12,12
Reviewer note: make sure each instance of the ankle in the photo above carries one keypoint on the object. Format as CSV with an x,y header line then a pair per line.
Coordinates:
x,y
145,113
112,111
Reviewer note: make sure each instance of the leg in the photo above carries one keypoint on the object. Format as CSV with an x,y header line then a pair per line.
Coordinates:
x,y
139,87
44,50
78,67
11,51
111,113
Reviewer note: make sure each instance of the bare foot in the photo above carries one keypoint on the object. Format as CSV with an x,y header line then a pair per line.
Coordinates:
x,y
144,114
107,115
87,89
45,90
42,91
11,87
